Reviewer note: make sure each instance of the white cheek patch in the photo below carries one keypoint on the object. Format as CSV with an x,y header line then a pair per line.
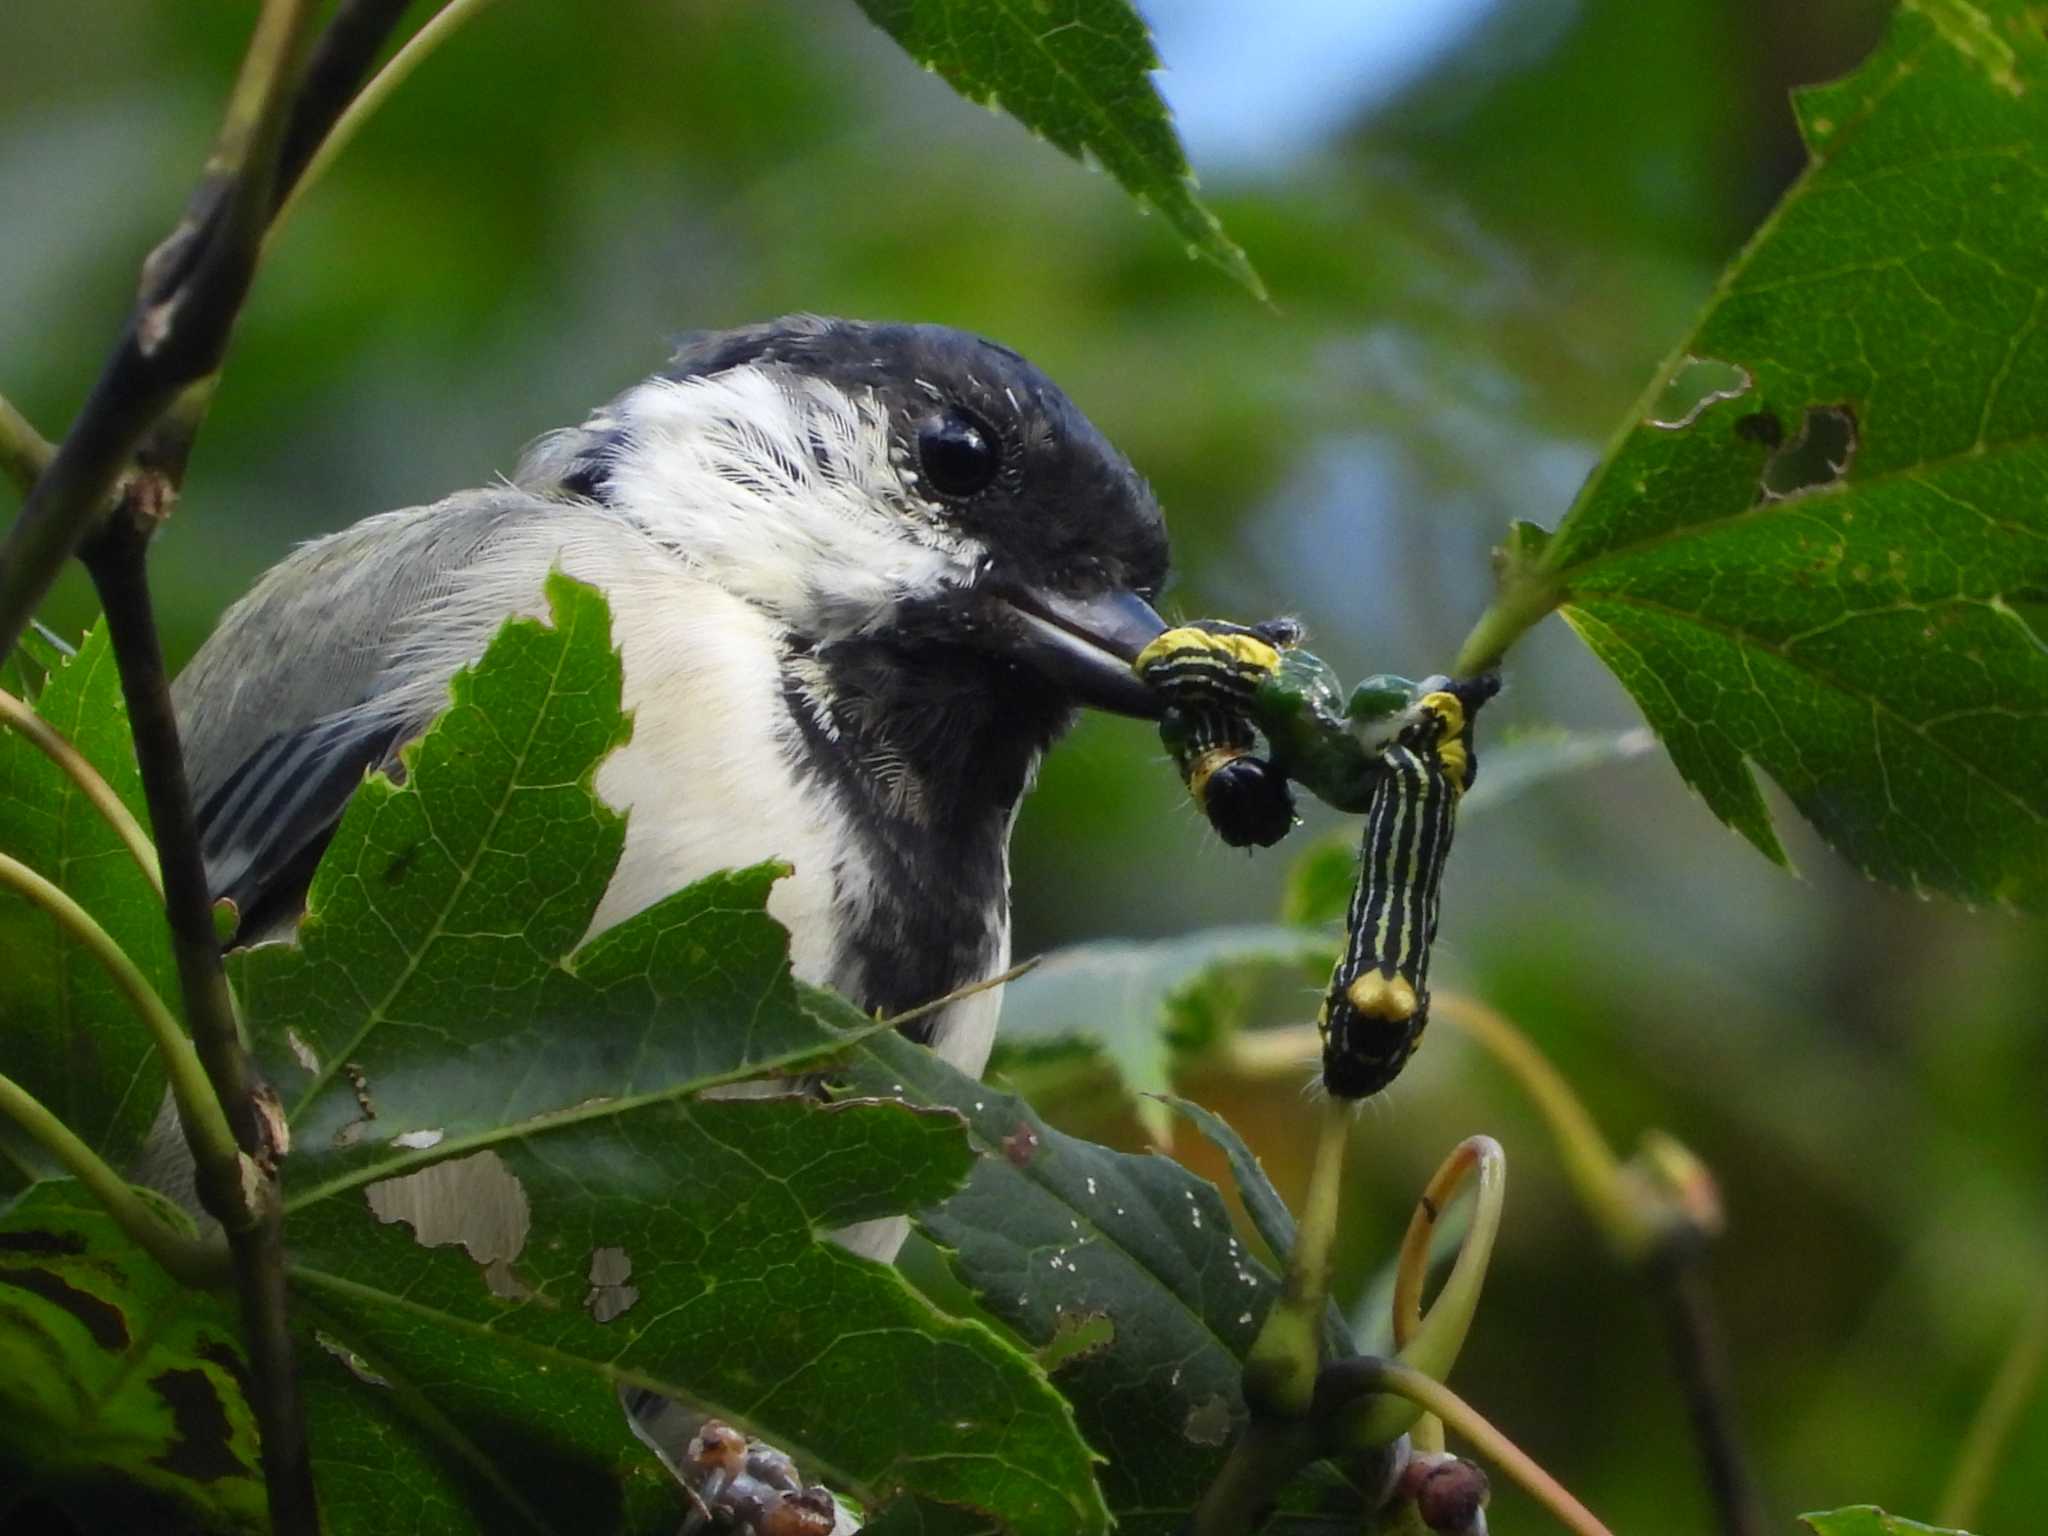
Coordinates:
x,y
783,490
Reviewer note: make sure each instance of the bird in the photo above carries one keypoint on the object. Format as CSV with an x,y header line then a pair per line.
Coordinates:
x,y
862,576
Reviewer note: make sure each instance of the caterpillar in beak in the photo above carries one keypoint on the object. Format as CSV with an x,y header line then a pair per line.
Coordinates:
x,y
1398,752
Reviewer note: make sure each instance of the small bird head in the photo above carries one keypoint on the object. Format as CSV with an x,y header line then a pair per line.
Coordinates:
x,y
908,489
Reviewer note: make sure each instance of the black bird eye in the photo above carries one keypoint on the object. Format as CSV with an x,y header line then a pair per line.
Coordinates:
x,y
958,454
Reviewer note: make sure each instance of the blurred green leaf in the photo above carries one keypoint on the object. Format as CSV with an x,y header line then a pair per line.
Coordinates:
x,y
453,1063
1121,996
1869,1520
1818,575
1078,73
1050,1229
121,1391
72,1039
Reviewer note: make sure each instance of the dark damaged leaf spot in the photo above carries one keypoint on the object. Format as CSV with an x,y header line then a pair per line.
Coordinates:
x,y
1818,456
1695,384
1762,428
109,1329
1020,1146
120,1370
201,1449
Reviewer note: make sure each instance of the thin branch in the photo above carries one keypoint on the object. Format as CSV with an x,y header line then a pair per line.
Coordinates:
x,y
438,29
52,744
196,1103
241,1193
186,1259
346,48
1280,1368
193,285
1354,1383
986,984
149,402
1699,1356
2018,1379
1595,1171
24,453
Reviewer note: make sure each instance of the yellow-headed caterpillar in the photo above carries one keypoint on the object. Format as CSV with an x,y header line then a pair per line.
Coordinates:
x,y
1378,1000
1209,672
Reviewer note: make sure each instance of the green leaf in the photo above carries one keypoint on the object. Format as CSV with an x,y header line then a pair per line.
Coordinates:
x,y
567,1220
121,1391
1075,72
1051,1233
1817,569
1121,997
1869,1520
72,1039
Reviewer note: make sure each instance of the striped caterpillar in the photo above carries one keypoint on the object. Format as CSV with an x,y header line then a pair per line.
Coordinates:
x,y
1399,752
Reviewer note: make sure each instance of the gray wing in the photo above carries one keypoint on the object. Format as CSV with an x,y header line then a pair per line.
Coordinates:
x,y
336,657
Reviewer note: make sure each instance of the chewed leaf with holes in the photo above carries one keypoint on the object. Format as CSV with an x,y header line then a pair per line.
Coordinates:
x,y
678,1246
1079,73
120,1390
1817,550
1124,1273
504,1201
72,1038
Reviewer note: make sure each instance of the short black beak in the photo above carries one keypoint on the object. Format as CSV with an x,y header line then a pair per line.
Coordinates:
x,y
1085,645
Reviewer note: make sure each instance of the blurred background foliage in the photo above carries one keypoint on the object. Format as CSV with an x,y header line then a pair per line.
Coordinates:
x,y
1482,223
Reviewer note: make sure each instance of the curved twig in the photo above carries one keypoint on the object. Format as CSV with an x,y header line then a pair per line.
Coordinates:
x,y
53,744
196,1101
1355,1384
436,30
186,1259
24,452
2018,1378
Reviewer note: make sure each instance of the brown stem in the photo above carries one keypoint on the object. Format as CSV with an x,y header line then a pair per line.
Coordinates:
x,y
1699,1356
1346,1386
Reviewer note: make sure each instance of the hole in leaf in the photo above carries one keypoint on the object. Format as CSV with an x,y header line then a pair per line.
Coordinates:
x,y
354,1363
1818,456
1076,1334
1695,384
1208,1421
476,1201
609,1294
